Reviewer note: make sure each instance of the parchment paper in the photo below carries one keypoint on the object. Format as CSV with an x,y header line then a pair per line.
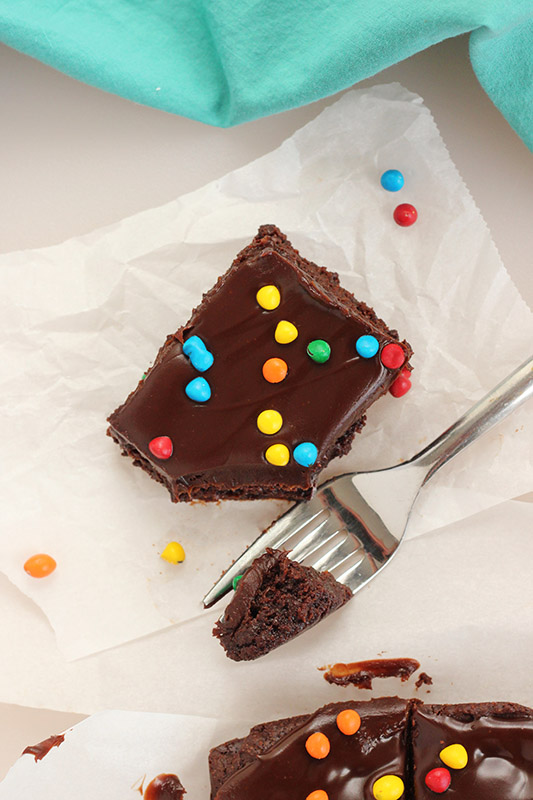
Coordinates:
x,y
84,319
459,600
115,754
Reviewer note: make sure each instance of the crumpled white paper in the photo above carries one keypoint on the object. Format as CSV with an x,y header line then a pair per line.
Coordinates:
x,y
115,753
466,617
83,320
458,599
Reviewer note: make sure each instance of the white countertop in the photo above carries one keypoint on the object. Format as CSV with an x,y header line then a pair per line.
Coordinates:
x,y
74,158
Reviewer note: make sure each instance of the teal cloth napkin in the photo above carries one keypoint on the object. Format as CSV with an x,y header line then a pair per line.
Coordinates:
x,y
228,61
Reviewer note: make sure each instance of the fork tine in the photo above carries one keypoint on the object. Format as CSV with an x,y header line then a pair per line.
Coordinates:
x,y
337,552
314,540
356,575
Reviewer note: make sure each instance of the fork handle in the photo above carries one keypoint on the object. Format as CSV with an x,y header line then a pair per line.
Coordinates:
x,y
491,409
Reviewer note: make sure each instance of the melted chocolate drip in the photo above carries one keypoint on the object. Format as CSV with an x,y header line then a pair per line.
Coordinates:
x,y
39,751
164,787
362,673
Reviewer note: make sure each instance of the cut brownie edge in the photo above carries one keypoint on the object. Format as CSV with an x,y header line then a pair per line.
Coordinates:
x,y
180,491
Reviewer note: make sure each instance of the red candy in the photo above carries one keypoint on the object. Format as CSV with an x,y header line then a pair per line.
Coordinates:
x,y
438,780
392,356
405,214
161,447
401,385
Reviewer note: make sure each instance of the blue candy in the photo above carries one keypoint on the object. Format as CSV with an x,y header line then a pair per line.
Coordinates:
x,y
305,454
198,390
367,346
392,180
197,352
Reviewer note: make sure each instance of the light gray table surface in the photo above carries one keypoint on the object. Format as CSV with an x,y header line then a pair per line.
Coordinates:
x,y
74,158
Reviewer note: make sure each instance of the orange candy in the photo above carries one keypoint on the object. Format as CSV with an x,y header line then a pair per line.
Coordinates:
x,y
317,745
318,794
275,370
348,721
40,565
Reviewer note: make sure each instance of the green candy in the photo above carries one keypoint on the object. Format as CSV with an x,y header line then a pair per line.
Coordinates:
x,y
235,581
319,350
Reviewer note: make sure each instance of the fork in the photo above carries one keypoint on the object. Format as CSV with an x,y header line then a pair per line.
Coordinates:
x,y
355,522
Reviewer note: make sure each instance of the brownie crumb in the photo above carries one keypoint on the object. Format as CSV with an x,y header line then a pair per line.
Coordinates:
x,y
422,679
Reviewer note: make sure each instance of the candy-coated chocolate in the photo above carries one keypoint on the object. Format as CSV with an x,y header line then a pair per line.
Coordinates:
x,y
268,297
388,787
348,721
161,447
269,421
367,346
392,356
405,214
402,384
318,794
278,454
173,553
305,454
319,350
235,581
438,780
198,390
275,370
285,332
392,180
454,756
317,745
198,354
40,565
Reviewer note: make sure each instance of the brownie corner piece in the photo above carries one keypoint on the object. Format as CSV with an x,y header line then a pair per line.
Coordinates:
x,y
275,600
267,382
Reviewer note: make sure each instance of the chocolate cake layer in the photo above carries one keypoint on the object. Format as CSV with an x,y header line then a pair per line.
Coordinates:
x,y
213,448
275,600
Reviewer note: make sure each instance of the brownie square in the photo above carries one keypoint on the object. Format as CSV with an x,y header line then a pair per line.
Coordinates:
x,y
194,422
497,738
272,761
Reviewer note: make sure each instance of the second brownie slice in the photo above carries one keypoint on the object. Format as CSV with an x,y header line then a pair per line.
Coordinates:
x,y
267,382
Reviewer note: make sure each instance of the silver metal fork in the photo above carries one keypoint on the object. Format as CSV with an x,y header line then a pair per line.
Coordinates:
x,y
355,522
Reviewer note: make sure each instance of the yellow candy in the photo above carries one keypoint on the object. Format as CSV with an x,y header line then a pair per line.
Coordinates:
x,y
278,454
285,332
388,787
173,553
454,756
269,421
268,297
